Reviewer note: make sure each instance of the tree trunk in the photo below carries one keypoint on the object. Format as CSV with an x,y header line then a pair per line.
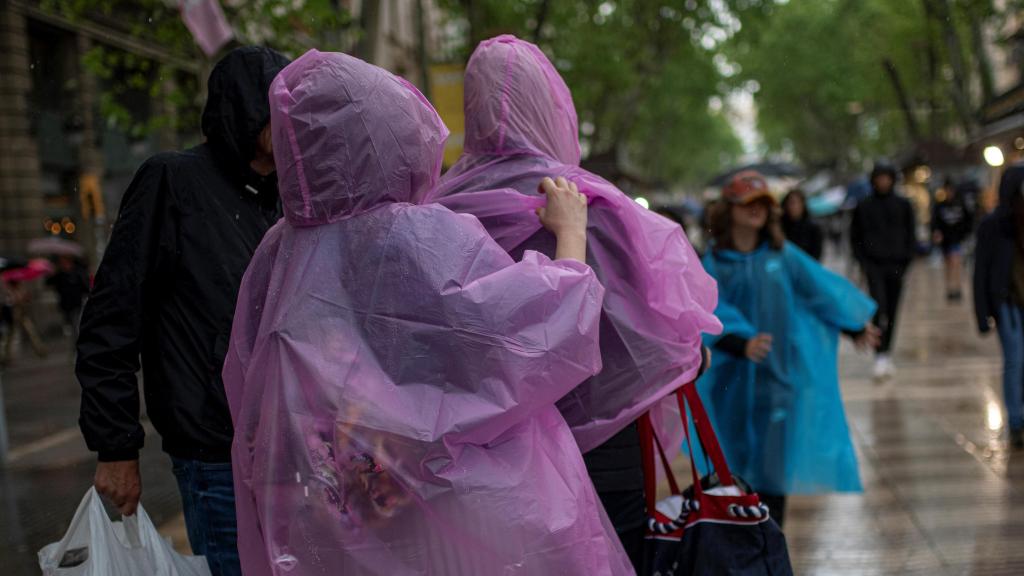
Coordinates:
x,y
369,23
422,57
901,95
981,59
959,89
932,56
542,15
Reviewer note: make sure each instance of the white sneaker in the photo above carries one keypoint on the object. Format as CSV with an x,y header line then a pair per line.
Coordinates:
x,y
883,368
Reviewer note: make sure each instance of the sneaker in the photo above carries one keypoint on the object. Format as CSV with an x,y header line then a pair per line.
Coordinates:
x,y
1017,439
879,371
884,368
954,296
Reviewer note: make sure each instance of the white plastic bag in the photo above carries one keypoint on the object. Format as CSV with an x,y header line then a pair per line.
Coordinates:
x,y
95,546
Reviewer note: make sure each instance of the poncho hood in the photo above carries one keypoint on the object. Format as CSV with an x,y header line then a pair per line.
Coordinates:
x,y
516,103
348,137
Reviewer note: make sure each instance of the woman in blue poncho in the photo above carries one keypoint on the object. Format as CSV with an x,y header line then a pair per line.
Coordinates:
x,y
774,392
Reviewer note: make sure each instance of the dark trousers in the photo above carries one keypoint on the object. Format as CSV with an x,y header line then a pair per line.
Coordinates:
x,y
885,283
208,497
627,511
776,504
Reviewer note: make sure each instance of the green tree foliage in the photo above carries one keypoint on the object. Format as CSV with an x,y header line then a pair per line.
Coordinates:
x,y
824,91
291,26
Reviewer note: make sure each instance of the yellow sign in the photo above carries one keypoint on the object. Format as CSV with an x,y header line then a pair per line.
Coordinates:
x,y
90,196
446,94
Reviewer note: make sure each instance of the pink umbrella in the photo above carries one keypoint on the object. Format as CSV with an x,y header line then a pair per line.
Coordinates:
x,y
35,269
55,246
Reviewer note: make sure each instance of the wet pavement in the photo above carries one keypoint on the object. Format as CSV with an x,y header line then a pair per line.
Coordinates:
x,y
942,490
49,468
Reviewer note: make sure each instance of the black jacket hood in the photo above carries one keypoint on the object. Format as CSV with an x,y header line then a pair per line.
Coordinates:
x,y
883,168
237,103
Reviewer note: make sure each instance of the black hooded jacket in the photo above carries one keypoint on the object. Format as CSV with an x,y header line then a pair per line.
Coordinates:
x,y
166,288
993,268
882,230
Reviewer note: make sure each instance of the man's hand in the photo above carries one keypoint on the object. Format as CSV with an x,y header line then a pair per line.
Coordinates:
x,y
120,483
758,348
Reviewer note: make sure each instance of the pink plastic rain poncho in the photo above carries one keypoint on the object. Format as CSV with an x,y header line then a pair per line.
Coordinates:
x,y
392,371
521,127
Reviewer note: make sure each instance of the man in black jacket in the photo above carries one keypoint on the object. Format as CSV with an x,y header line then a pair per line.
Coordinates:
x,y
884,243
166,289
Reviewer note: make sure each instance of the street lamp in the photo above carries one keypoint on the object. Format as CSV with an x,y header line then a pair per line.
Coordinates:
x,y
643,202
993,156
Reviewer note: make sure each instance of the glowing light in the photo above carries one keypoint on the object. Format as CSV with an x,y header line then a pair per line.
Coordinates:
x,y
643,202
994,156
993,415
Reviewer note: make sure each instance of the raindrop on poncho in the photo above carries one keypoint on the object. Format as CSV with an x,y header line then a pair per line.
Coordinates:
x,y
392,371
521,127
781,423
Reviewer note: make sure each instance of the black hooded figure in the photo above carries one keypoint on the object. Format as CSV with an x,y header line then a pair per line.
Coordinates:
x,y
999,290
883,239
165,291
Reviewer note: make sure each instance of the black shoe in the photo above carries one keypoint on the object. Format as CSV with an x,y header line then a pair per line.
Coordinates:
x,y
1017,439
955,296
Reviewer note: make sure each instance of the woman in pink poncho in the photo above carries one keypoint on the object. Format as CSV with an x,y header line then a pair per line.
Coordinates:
x,y
392,371
521,127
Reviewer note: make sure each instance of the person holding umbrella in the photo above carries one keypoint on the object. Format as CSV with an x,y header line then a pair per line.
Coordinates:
x,y
18,297
71,283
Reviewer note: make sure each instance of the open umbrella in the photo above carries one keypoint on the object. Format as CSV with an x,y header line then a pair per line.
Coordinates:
x,y
34,269
827,203
766,169
55,246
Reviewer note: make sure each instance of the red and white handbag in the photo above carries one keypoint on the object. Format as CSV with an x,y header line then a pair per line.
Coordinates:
x,y
716,526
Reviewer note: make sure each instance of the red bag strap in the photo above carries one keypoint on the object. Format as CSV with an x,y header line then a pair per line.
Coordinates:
x,y
648,442
688,395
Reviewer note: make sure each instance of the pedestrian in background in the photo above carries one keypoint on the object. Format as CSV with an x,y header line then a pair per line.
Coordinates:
x,y
71,283
999,290
952,222
521,126
798,227
165,290
774,390
19,299
883,239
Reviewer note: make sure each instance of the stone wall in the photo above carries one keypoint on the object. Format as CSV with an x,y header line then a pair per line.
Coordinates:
x,y
21,203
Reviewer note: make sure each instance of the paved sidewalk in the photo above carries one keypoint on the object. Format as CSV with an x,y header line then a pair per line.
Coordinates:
x,y
942,490
50,469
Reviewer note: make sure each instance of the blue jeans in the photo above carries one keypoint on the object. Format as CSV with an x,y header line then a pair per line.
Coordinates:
x,y
208,497
1010,324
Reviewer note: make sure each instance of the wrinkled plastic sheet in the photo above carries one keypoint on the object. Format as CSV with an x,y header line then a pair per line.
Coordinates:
x,y
521,127
393,372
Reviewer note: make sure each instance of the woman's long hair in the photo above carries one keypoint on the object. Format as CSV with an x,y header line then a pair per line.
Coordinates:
x,y
798,194
720,225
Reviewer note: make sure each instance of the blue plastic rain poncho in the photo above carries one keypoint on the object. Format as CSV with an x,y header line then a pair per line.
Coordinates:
x,y
781,423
